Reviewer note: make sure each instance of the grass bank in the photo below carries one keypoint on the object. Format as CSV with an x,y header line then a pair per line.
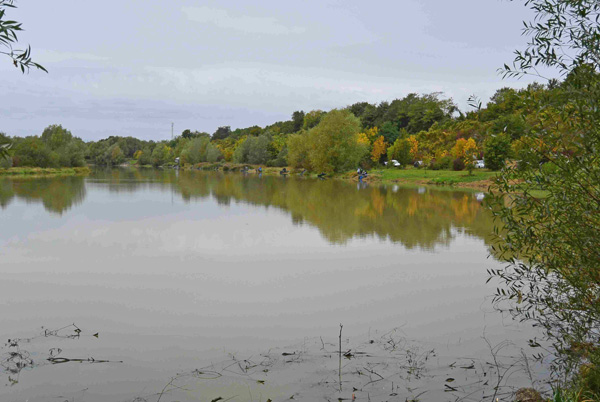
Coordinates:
x,y
478,179
36,171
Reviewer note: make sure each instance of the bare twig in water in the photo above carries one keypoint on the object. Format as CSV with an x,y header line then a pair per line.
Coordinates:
x,y
165,388
340,356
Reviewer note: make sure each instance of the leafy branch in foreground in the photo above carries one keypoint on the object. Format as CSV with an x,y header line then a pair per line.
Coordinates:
x,y
564,35
21,58
547,205
4,148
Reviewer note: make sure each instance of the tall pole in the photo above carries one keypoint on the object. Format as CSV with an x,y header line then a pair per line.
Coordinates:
x,y
172,125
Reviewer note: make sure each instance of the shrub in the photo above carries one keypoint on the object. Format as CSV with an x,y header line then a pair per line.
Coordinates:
x,y
458,164
496,149
442,163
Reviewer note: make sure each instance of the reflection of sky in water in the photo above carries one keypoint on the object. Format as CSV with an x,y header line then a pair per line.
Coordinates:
x,y
155,273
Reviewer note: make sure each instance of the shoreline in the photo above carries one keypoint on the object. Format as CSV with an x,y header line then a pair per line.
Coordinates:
x,y
44,172
479,180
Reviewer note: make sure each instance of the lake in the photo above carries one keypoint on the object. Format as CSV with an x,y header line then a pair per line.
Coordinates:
x,y
163,285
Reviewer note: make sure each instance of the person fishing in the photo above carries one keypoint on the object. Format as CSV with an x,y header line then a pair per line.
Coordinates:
x,y
361,174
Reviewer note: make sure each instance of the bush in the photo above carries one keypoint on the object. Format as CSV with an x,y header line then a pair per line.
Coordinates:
x,y
496,150
32,151
213,153
458,164
442,163
590,374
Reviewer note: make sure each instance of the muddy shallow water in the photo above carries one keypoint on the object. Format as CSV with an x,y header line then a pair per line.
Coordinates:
x,y
210,285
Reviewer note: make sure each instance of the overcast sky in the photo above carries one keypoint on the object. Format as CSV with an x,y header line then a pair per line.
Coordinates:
x,y
131,67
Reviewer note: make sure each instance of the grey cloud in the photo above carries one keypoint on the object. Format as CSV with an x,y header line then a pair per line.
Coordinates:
x,y
131,67
247,24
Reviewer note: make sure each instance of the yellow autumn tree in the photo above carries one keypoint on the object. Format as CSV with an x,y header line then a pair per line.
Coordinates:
x,y
363,140
470,154
379,148
414,147
226,151
372,134
458,151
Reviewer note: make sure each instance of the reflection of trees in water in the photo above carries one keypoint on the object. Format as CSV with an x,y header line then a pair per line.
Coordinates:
x,y
58,194
339,210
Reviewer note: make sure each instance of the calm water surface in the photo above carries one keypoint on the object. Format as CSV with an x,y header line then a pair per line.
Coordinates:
x,y
176,271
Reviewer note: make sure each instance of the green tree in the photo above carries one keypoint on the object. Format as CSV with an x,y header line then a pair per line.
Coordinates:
x,y
258,149
56,136
333,143
195,151
496,151
298,119
97,152
115,155
390,132
146,157
222,133
400,151
281,159
298,149
213,153
552,243
32,151
188,134
312,118
72,154
240,154
161,155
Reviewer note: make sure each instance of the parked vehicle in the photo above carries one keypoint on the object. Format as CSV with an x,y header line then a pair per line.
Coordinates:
x,y
480,164
394,162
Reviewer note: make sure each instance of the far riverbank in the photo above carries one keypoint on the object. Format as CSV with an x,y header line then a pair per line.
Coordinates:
x,y
37,171
479,179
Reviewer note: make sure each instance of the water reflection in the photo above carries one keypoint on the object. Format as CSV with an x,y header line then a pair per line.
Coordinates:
x,y
341,211
414,217
175,281
57,194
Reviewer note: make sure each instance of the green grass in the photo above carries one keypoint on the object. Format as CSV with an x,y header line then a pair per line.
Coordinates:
x,y
424,176
36,171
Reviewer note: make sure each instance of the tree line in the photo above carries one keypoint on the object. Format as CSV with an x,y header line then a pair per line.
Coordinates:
x,y
427,129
